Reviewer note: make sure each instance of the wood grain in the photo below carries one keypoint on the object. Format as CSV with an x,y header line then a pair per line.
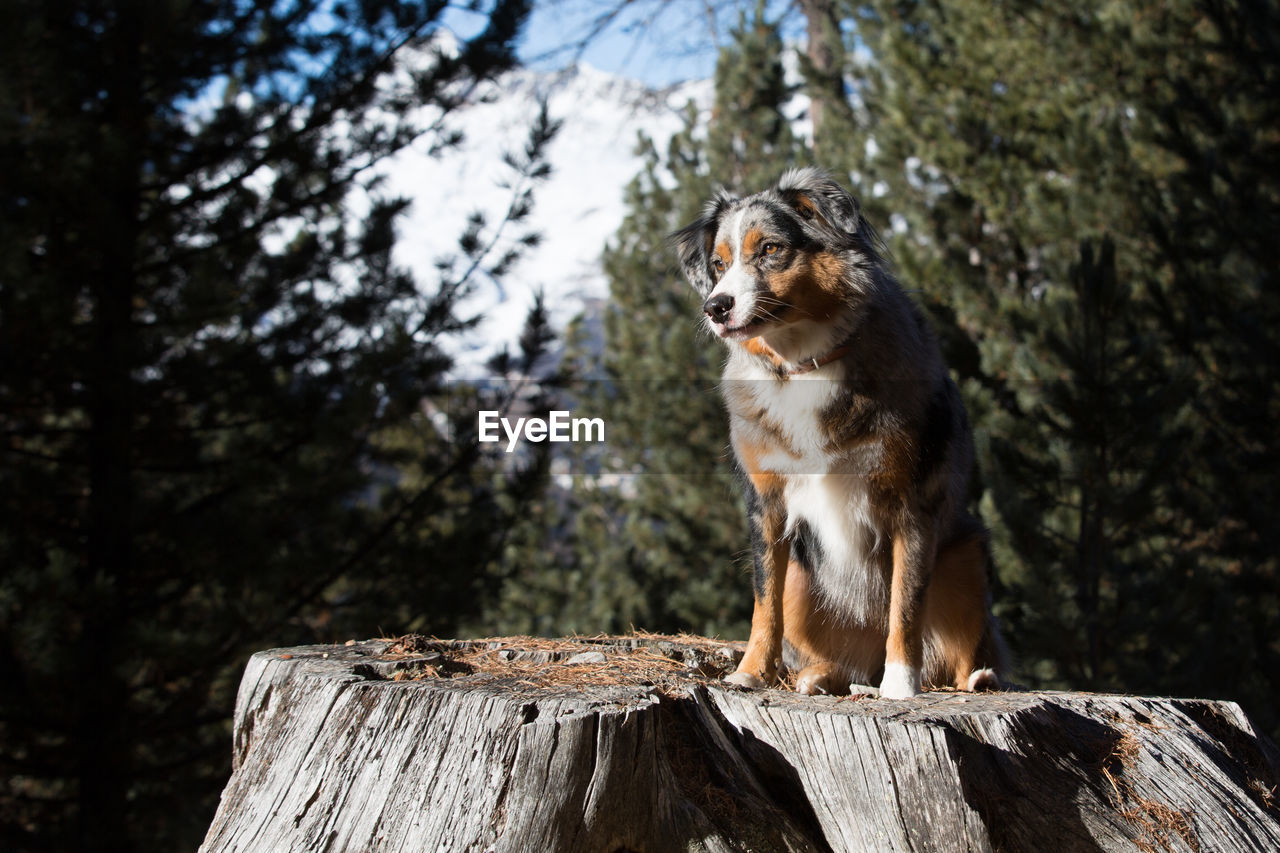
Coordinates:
x,y
518,745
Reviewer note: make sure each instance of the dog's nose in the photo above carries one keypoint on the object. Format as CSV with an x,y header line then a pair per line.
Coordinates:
x,y
718,307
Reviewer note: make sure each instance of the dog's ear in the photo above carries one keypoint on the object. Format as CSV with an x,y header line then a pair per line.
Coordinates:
x,y
693,243
825,206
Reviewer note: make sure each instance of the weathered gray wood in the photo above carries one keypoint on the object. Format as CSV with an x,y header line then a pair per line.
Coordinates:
x,y
538,746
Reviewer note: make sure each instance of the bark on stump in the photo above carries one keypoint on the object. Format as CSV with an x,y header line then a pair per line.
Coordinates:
x,y
632,744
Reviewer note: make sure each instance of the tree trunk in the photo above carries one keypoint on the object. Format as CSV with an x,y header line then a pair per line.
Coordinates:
x,y
825,54
633,744
103,770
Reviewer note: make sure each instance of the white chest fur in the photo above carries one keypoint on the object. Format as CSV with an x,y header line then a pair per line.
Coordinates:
x,y
825,488
836,511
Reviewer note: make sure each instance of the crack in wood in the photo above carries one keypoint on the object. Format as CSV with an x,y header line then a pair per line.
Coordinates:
x,y
583,758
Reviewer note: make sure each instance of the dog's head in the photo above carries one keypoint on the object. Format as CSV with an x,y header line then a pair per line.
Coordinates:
x,y
799,251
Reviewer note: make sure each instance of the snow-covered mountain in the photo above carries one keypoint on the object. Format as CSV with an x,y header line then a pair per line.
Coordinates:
x,y
576,210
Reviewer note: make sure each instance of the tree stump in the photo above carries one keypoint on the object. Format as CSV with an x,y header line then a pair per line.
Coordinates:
x,y
633,744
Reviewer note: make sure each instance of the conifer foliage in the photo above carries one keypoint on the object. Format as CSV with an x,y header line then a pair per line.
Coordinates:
x,y
1084,200
206,357
655,524
1083,193
683,534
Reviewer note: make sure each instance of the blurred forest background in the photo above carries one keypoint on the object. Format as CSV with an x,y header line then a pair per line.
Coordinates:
x,y
227,421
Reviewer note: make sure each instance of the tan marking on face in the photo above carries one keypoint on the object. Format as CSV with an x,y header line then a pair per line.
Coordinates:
x,y
751,242
813,285
725,254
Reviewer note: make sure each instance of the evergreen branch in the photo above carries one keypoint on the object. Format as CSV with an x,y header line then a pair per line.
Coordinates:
x,y
372,542
317,118
528,172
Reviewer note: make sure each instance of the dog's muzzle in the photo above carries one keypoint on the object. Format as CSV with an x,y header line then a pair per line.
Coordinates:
x,y
718,307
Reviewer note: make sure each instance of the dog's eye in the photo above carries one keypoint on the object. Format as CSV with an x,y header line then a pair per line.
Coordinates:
x,y
717,265
771,248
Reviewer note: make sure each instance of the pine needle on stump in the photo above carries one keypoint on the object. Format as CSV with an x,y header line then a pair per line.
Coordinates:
x,y
635,744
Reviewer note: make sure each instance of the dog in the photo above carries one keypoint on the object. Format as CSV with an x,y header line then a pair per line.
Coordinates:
x,y
853,448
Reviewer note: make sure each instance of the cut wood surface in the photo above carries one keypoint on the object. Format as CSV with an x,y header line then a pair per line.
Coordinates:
x,y
633,744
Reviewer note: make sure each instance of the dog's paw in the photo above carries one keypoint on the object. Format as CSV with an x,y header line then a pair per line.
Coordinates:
x,y
742,678
820,679
983,679
900,681
811,685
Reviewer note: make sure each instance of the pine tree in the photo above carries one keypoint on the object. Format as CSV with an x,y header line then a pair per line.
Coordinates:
x,y
1013,141
749,138
655,520
203,352
1079,496
1204,82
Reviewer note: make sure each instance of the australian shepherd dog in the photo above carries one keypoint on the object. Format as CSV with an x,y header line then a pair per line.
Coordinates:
x,y
853,446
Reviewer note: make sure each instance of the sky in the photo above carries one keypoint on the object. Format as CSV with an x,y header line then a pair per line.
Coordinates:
x,y
660,43
674,47
657,42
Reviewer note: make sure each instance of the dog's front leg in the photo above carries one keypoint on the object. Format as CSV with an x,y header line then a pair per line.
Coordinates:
x,y
759,666
913,556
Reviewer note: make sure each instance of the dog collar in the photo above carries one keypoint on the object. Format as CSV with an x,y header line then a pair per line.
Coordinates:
x,y
814,363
